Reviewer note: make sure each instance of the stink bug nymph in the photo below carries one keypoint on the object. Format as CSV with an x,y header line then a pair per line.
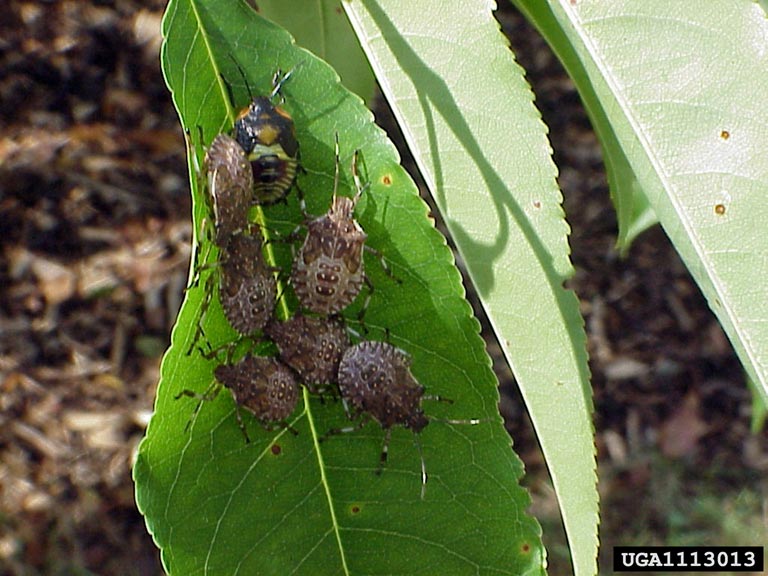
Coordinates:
x,y
230,185
328,271
247,287
267,135
263,386
312,346
228,193
375,381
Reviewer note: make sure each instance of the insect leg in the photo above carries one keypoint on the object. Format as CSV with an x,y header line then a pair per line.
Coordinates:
x,y
335,431
384,451
364,308
207,299
272,426
240,422
383,262
210,393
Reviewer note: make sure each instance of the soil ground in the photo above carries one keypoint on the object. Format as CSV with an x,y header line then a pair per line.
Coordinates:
x,y
95,222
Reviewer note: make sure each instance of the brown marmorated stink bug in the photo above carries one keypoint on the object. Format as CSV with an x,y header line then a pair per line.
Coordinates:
x,y
375,381
263,386
328,271
247,286
312,346
230,185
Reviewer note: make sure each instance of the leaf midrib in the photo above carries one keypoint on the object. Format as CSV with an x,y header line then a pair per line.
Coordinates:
x,y
270,256
324,479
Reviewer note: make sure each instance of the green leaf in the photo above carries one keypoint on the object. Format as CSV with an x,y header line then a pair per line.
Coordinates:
x,y
286,504
633,212
321,27
682,86
468,117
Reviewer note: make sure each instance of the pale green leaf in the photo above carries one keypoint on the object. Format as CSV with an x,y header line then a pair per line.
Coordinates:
x,y
633,213
684,88
468,117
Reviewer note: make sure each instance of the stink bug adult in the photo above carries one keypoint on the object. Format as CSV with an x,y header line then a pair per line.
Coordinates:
x,y
267,135
263,386
375,381
328,271
312,346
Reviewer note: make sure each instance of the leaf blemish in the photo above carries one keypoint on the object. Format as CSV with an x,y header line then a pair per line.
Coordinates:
x,y
720,209
537,204
725,134
386,180
355,509
525,548
276,449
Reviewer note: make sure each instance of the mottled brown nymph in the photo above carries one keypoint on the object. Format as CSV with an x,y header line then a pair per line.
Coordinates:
x,y
312,347
375,381
263,386
328,270
375,378
230,185
247,287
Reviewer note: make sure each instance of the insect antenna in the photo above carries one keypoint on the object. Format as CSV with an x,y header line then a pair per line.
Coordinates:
x,y
470,421
336,173
245,79
359,188
279,79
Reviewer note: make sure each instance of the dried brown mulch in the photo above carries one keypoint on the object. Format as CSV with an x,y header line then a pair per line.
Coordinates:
x,y
94,213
